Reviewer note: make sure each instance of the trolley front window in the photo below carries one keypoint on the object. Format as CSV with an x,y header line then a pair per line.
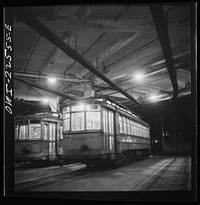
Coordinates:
x,y
93,120
78,121
35,131
82,117
66,119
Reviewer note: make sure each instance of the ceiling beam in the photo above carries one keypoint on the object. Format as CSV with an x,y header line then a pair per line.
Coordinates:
x,y
111,49
138,26
40,76
22,103
158,15
55,53
46,89
45,32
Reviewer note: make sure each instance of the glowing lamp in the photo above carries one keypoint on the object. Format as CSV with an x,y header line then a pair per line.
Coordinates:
x,y
45,101
139,76
51,80
153,97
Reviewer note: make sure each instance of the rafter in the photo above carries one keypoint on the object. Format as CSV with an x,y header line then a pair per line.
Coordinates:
x,y
103,25
44,31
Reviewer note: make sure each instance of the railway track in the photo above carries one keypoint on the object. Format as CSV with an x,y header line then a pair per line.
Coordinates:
x,y
170,176
65,178
153,177
159,173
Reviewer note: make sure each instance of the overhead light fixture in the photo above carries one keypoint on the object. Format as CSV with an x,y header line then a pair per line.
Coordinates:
x,y
139,76
51,80
153,98
45,100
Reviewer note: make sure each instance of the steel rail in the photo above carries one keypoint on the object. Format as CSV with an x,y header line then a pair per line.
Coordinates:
x,y
151,175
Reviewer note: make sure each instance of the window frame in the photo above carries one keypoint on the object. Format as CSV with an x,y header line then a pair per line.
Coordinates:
x,y
71,124
66,118
124,126
16,129
23,123
105,120
29,132
86,112
111,122
70,110
52,132
45,130
120,119
137,128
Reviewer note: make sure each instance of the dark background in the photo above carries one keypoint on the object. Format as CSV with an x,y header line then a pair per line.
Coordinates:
x,y
176,119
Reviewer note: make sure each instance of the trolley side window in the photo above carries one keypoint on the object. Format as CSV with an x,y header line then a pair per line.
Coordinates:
x,y
128,126
16,131
23,132
45,131
52,131
110,120
136,129
120,124
132,128
105,121
125,125
146,132
66,120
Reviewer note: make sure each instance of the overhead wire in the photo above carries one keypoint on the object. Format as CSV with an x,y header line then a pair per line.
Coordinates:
x,y
99,37
115,20
134,51
27,62
140,85
43,96
37,41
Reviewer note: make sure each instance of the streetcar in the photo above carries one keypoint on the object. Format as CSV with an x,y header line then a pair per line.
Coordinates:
x,y
97,131
38,138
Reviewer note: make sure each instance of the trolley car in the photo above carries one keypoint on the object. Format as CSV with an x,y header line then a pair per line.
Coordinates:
x,y
98,130
38,138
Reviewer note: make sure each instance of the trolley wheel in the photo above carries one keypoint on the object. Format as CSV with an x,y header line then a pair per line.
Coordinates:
x,y
60,161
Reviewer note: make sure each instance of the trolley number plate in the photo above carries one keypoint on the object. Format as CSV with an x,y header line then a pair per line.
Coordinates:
x,y
76,139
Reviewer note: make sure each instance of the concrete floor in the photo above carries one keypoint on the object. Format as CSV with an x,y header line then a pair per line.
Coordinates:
x,y
152,174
